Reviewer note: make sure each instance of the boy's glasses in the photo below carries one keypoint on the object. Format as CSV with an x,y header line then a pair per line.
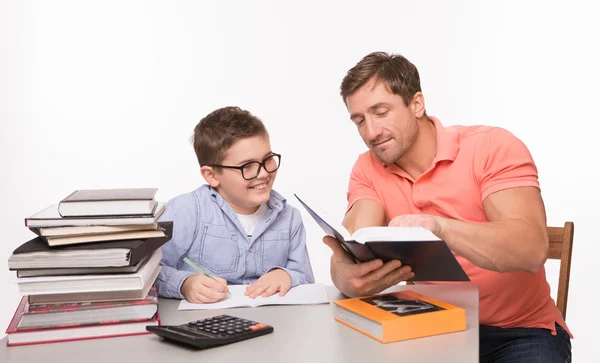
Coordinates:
x,y
251,169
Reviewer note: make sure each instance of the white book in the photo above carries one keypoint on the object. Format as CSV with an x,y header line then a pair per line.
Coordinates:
x,y
307,294
70,284
82,270
49,217
98,296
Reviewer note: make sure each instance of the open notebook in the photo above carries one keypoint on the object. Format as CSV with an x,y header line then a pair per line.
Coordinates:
x,y
299,295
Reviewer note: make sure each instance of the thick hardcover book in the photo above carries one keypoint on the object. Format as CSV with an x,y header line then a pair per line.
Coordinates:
x,y
44,285
49,217
95,296
104,202
37,254
82,270
400,316
85,313
105,329
428,256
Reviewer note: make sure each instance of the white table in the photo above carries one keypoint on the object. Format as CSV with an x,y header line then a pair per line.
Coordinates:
x,y
305,333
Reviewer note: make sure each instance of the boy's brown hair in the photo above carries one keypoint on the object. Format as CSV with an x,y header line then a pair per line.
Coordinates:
x,y
398,73
220,129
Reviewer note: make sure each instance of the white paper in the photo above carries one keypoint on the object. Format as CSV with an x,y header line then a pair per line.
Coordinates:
x,y
299,295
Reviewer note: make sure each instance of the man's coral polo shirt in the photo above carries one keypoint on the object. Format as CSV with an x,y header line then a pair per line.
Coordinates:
x,y
471,163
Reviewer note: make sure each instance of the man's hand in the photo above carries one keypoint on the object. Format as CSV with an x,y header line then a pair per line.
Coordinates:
x,y
270,283
432,223
368,278
200,289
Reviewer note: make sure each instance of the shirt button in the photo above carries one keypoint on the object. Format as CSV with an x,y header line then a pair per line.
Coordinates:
x,y
250,250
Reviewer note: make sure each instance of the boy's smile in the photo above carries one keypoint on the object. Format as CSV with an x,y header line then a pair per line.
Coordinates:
x,y
260,186
244,196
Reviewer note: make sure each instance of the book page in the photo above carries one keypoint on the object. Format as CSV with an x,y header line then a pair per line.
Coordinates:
x,y
394,234
300,295
324,220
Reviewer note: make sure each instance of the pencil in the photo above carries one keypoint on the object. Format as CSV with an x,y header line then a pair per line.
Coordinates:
x,y
200,270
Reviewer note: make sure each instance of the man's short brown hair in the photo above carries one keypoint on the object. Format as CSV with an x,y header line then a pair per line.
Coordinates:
x,y
220,129
397,72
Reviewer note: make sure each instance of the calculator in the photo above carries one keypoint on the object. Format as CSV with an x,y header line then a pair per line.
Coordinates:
x,y
212,332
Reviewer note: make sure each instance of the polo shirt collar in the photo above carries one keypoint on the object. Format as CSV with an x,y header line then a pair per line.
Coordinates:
x,y
447,141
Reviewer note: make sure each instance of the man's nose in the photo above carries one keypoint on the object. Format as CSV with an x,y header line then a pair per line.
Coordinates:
x,y
372,130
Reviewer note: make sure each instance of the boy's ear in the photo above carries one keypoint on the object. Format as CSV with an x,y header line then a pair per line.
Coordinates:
x,y
208,173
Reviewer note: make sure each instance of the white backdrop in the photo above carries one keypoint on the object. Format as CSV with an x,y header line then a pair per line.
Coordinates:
x,y
106,94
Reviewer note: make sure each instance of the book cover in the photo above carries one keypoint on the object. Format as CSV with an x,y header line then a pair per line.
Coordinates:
x,y
400,316
428,256
96,195
105,202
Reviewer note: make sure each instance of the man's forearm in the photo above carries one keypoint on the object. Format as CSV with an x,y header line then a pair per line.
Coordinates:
x,y
503,246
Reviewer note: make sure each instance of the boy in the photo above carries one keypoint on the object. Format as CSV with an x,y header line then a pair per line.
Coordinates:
x,y
235,226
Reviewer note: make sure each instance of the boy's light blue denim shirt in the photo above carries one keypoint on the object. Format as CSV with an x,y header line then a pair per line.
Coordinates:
x,y
207,231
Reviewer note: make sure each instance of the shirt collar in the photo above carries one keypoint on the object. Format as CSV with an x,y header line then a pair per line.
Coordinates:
x,y
447,141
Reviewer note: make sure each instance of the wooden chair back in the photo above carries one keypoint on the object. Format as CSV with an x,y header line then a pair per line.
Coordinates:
x,y
561,248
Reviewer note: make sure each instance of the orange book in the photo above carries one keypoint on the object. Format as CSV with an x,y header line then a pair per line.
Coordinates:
x,y
400,316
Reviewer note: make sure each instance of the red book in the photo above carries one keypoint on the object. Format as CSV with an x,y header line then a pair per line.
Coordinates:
x,y
64,333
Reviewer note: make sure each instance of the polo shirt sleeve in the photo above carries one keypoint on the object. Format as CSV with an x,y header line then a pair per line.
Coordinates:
x,y
360,185
504,163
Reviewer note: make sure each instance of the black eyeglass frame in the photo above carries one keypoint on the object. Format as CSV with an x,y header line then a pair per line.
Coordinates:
x,y
261,165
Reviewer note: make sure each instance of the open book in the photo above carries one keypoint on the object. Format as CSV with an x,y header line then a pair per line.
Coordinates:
x,y
300,295
428,256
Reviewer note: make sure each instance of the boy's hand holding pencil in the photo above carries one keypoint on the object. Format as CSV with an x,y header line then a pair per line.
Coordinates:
x,y
202,287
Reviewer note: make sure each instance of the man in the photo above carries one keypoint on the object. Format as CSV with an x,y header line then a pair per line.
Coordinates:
x,y
475,187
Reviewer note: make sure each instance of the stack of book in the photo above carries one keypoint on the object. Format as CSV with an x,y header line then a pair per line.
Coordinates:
x,y
90,271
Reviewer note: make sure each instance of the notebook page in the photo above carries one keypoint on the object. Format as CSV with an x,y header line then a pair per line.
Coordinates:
x,y
299,295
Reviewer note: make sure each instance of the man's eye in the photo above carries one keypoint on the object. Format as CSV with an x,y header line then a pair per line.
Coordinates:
x,y
359,122
382,113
